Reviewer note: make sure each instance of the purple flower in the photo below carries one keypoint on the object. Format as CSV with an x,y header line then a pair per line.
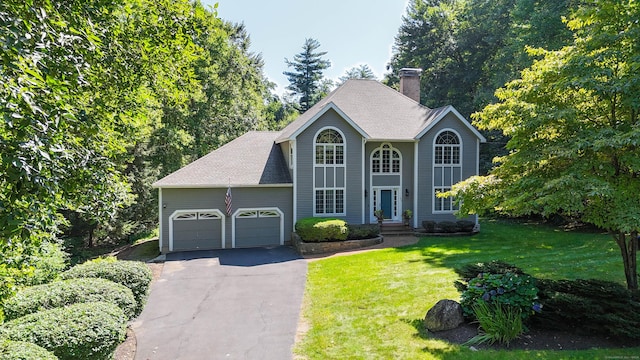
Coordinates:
x,y
537,307
493,292
500,291
486,297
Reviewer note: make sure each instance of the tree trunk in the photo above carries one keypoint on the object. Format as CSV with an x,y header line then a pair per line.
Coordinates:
x,y
629,249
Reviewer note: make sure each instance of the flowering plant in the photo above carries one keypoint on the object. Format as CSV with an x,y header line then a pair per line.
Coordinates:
x,y
515,290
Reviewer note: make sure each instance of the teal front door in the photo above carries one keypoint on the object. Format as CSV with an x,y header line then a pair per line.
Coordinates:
x,y
386,203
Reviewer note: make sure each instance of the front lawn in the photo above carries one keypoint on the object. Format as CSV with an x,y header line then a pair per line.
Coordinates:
x,y
371,305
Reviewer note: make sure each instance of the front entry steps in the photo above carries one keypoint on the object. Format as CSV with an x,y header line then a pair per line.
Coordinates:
x,y
396,229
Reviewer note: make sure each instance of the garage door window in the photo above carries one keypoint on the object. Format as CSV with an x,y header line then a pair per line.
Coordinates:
x,y
267,213
208,216
186,216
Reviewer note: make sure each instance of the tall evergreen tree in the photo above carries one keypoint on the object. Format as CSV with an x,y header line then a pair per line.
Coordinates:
x,y
306,78
362,71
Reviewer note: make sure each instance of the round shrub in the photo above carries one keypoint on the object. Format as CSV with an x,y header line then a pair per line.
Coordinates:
x,y
516,290
465,225
67,292
429,225
20,350
78,331
448,226
322,229
364,231
133,274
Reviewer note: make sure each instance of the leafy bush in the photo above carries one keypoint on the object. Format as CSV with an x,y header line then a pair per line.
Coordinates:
x,y
67,292
465,225
501,323
470,271
364,231
20,350
322,229
448,226
429,225
594,306
79,331
133,274
516,290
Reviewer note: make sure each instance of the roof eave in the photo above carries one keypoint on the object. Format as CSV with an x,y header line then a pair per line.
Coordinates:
x,y
450,109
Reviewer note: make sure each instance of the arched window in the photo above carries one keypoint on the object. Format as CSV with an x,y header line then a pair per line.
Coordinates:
x,y
329,173
447,168
385,160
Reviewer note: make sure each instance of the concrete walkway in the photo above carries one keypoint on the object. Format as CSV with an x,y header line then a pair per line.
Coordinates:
x,y
223,304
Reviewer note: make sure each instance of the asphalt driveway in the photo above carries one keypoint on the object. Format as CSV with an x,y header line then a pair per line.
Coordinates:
x,y
223,304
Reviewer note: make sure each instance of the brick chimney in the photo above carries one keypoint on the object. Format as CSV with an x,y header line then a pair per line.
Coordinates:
x,y
410,82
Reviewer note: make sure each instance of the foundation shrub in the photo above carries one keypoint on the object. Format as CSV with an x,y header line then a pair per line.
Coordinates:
x,y
465,225
364,231
448,226
20,350
78,331
66,292
135,275
322,229
429,225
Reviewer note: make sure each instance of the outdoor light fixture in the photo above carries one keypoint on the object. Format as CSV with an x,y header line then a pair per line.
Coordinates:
x,y
406,192
164,205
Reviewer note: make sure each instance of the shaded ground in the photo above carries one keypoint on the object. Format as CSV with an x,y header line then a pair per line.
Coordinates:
x,y
535,339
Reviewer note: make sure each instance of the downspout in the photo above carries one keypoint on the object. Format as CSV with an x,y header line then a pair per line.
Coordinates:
x,y
160,205
477,173
415,183
362,189
292,143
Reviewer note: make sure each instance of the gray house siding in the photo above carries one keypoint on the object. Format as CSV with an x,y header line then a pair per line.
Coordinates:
x,y
305,159
425,166
204,236
404,180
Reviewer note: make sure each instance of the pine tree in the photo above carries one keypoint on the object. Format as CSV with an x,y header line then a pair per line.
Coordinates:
x,y
306,78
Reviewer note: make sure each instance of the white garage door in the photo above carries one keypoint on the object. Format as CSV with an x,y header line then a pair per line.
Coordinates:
x,y
196,230
258,227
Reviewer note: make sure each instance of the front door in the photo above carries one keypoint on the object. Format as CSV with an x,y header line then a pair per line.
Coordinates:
x,y
386,203
387,199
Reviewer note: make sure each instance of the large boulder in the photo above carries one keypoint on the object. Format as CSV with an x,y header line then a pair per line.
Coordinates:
x,y
444,315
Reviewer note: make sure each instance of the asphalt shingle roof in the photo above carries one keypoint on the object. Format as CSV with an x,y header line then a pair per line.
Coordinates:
x,y
380,111
249,160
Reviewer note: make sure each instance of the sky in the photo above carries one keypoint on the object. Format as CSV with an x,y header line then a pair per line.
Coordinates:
x,y
352,32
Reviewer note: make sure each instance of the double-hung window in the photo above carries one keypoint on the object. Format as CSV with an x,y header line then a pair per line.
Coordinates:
x,y
329,173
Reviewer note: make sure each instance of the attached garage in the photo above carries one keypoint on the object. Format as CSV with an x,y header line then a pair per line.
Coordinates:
x,y
196,230
258,227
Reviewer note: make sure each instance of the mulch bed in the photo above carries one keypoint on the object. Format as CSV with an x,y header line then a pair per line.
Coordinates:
x,y
537,339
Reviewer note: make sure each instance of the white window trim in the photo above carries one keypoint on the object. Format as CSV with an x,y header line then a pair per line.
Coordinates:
x,y
265,211
391,149
450,166
373,189
334,166
184,211
396,193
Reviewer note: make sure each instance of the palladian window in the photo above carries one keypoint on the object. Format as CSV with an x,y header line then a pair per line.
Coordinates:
x,y
329,173
447,168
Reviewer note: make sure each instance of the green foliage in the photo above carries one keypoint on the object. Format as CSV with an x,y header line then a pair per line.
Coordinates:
x,y
362,71
498,322
573,122
66,292
518,291
470,271
322,229
134,275
593,306
362,231
18,269
306,78
79,331
21,350
448,226
429,225
465,225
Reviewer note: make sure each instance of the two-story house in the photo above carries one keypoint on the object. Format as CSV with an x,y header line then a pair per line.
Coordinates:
x,y
363,147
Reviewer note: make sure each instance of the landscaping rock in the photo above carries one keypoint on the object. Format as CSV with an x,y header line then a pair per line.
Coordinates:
x,y
444,315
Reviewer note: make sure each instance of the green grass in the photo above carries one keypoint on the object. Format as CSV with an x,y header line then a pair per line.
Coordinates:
x,y
371,305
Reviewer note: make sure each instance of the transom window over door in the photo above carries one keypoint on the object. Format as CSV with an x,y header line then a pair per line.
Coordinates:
x,y
329,173
385,160
447,168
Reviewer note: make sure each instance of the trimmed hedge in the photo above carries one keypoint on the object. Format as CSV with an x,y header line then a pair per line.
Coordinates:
x,y
322,229
79,331
364,231
133,274
67,292
20,350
